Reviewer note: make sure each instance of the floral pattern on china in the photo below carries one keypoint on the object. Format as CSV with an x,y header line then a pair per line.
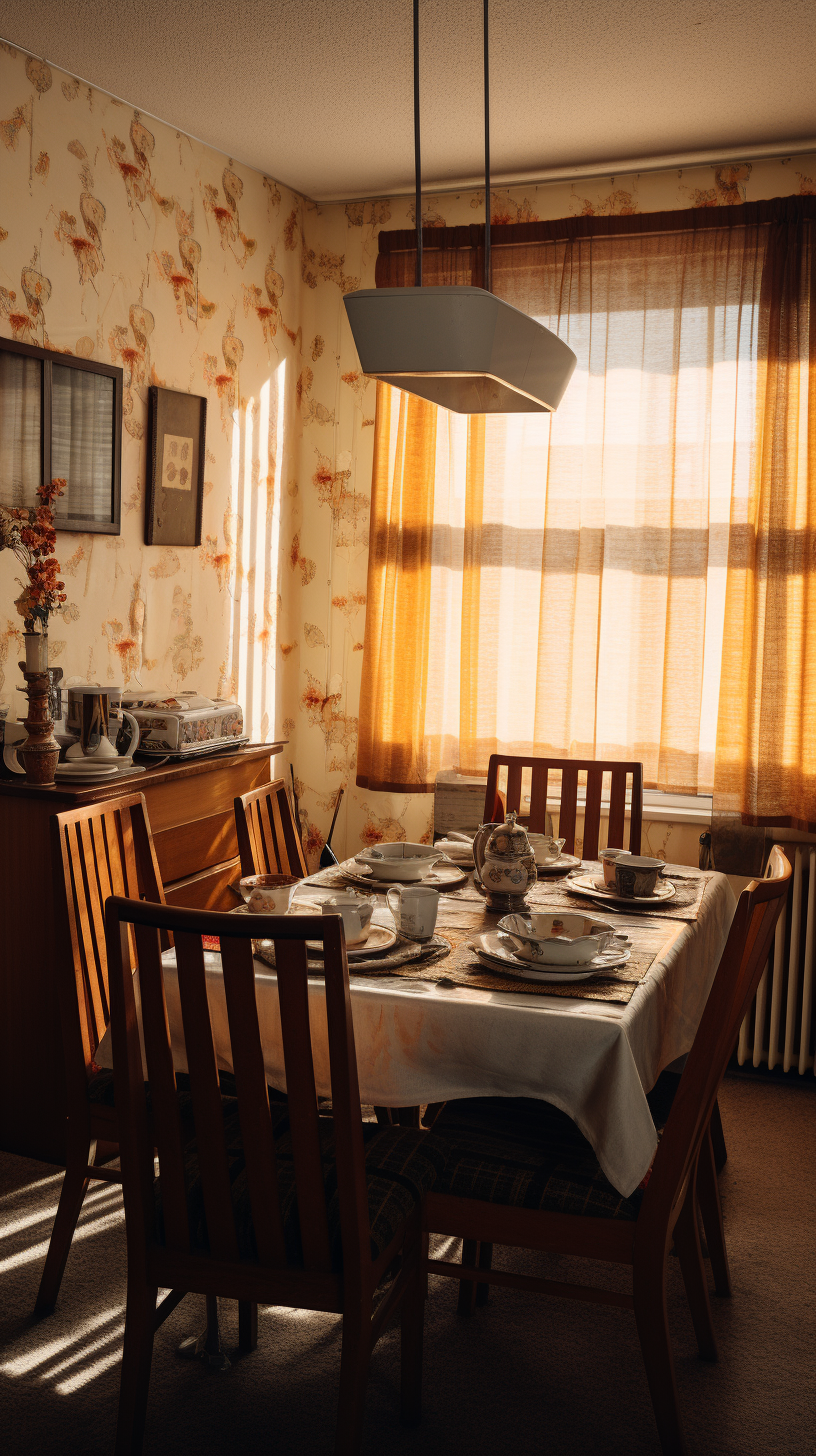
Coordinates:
x,y
505,862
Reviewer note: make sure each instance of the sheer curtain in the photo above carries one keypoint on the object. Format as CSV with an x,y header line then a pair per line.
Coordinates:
x,y
81,441
20,428
557,584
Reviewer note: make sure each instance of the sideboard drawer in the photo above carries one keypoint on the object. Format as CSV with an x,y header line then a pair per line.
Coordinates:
x,y
188,848
208,890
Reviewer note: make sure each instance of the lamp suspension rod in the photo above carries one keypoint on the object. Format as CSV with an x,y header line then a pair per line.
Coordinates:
x,y
487,151
417,159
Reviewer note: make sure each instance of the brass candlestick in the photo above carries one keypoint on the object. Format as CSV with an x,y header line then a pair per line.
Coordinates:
x,y
40,750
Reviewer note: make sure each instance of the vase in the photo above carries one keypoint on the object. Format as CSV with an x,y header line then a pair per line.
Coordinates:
x,y
40,751
36,651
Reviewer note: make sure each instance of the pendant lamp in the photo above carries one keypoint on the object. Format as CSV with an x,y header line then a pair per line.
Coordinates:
x,y
462,348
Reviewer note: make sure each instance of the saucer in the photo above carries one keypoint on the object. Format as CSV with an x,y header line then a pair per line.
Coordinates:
x,y
560,866
593,885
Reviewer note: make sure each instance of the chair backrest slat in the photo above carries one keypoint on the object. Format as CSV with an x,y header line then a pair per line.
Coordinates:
x,y
293,997
206,1095
100,850
538,799
268,841
167,1132
302,1125
617,812
570,769
250,1081
741,965
569,806
592,812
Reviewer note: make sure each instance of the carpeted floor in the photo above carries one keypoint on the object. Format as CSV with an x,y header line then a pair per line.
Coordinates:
x,y
524,1375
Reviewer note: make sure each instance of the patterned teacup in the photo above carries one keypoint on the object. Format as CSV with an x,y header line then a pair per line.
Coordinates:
x,y
414,908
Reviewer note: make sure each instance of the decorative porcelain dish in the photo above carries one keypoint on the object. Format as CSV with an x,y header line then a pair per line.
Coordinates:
x,y
560,939
593,885
560,866
443,876
379,940
498,956
404,862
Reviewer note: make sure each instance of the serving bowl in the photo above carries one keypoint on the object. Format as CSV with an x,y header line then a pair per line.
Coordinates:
x,y
557,940
403,861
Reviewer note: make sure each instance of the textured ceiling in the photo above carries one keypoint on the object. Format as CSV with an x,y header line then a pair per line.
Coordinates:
x,y
317,93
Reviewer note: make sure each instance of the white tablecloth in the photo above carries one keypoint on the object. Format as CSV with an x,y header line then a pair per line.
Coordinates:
x,y
420,1042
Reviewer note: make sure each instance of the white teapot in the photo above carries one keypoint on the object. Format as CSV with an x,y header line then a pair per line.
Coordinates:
x,y
506,863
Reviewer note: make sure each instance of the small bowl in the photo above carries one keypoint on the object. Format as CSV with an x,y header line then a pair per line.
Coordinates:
x,y
636,875
556,940
270,894
400,861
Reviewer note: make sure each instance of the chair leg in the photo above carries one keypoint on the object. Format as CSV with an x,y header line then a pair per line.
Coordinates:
x,y
708,1194
247,1326
718,1137
355,1359
649,1290
412,1321
74,1188
485,1262
467,1287
432,1112
687,1243
138,1353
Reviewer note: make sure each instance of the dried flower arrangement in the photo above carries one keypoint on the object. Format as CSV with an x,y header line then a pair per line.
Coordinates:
x,y
30,534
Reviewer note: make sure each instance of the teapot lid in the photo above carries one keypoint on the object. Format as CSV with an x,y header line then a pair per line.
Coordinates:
x,y
508,840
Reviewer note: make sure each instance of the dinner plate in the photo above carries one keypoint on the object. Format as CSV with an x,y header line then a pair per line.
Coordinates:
x,y
560,866
443,877
380,939
490,950
593,885
81,775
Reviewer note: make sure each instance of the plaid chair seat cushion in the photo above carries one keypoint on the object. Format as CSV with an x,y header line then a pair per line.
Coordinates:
x,y
523,1153
401,1167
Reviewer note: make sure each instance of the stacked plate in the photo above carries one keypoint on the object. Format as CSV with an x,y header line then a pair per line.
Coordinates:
x,y
95,770
592,884
379,939
497,951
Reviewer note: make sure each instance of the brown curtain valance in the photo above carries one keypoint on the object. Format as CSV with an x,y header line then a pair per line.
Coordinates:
x,y
391,268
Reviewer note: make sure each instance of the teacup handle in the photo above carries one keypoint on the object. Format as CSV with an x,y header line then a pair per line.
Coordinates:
x,y
398,897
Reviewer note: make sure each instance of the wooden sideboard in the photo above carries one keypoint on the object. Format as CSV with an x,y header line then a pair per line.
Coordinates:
x,y
191,817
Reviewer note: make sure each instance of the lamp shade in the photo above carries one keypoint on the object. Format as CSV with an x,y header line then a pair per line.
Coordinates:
x,y
462,348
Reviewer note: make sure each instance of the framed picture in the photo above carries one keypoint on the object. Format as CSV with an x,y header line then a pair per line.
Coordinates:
x,y
61,415
176,430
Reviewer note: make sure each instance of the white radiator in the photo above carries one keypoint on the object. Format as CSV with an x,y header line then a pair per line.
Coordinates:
x,y
779,1026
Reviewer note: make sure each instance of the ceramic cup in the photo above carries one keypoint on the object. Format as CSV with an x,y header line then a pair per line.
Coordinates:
x,y
414,908
269,894
356,911
608,857
636,874
545,848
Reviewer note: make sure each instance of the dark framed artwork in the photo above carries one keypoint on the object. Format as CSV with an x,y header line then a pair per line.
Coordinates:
x,y
61,415
176,432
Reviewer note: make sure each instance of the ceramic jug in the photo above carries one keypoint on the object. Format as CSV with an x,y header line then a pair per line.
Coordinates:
x,y
505,862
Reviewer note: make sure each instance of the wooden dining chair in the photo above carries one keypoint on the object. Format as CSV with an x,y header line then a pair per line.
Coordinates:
x,y
268,840
519,1173
570,769
268,1202
104,849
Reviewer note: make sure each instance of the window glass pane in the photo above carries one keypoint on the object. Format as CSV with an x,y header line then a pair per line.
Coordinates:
x,y
82,442
20,428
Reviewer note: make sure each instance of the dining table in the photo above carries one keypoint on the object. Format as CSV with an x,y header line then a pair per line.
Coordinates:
x,y
442,1025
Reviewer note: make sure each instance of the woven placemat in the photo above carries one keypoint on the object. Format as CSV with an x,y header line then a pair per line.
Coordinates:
x,y
685,905
462,968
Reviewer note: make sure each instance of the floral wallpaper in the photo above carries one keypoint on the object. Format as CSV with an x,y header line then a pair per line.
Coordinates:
x,y
124,240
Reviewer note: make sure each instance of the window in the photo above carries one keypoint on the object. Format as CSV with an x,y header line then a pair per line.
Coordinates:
x,y
61,416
